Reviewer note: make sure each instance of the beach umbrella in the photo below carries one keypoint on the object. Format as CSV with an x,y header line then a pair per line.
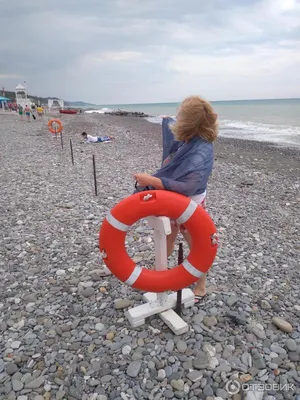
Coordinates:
x,y
2,101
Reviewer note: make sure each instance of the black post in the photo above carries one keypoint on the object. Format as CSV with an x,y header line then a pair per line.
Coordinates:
x,y
71,147
179,292
55,131
61,140
95,178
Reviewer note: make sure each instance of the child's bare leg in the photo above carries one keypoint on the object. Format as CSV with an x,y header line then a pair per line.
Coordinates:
x,y
200,288
171,239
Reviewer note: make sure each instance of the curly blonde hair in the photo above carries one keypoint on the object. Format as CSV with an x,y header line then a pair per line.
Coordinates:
x,y
196,117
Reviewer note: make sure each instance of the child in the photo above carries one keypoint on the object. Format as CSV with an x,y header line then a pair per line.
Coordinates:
x,y
27,111
96,139
40,111
21,111
187,162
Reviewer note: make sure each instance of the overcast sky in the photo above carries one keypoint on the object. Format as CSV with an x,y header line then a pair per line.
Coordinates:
x,y
142,51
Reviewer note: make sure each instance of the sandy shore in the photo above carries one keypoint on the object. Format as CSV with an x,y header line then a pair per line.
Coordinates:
x,y
63,335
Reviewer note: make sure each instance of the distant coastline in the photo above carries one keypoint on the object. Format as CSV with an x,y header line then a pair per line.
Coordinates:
x,y
83,104
212,101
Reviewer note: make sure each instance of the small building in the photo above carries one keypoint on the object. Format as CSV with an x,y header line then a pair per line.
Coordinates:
x,y
21,96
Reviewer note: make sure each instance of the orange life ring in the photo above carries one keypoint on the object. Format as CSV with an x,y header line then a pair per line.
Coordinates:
x,y
56,121
159,203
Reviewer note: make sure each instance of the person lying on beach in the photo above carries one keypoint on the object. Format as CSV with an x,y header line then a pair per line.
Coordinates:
x,y
187,162
96,139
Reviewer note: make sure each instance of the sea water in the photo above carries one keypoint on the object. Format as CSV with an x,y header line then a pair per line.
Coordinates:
x,y
275,121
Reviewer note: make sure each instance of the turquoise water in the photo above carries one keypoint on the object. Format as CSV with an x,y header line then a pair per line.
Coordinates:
x,y
276,121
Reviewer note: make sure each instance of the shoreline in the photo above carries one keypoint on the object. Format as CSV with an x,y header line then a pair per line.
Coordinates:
x,y
282,159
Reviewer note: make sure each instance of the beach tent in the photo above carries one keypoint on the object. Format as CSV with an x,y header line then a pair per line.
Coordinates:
x,y
3,100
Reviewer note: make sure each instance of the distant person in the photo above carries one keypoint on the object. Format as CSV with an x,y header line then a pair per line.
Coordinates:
x,y
96,139
20,110
27,111
187,163
40,111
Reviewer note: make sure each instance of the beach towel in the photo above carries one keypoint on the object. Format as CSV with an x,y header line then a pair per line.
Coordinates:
x,y
186,166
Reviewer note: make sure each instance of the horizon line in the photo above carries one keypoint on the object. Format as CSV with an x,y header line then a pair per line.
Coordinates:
x,y
177,102
164,102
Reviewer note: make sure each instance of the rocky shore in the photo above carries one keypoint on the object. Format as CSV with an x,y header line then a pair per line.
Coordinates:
x,y
124,113
63,332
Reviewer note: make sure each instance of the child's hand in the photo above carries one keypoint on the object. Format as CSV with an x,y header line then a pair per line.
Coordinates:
x,y
143,179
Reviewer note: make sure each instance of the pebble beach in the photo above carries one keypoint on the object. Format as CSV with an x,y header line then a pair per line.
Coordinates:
x,y
63,329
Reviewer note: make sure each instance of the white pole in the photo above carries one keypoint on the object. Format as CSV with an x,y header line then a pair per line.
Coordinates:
x,y
162,228
161,303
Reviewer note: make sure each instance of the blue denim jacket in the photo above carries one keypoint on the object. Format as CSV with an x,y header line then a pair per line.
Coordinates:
x,y
189,166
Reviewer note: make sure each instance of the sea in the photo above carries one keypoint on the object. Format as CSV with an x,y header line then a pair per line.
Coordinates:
x,y
274,121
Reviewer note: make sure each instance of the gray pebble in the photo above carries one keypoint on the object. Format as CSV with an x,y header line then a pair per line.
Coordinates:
x,y
169,346
291,345
36,383
88,292
121,303
223,394
17,385
232,300
194,376
207,391
161,374
201,361
178,385
258,362
258,332
99,327
11,368
169,394
1,365
181,346
265,305
134,369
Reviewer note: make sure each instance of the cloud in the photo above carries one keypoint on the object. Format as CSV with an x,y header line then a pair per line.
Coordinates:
x,y
129,51
119,56
9,76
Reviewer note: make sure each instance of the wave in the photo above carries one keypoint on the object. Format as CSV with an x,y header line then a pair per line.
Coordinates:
x,y
260,131
280,134
249,130
157,120
100,111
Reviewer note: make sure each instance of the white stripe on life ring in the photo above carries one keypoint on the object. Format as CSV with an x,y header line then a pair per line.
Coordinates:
x,y
116,224
192,270
134,275
189,211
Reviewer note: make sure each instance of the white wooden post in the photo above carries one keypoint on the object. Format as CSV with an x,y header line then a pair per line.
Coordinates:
x,y
161,303
162,228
